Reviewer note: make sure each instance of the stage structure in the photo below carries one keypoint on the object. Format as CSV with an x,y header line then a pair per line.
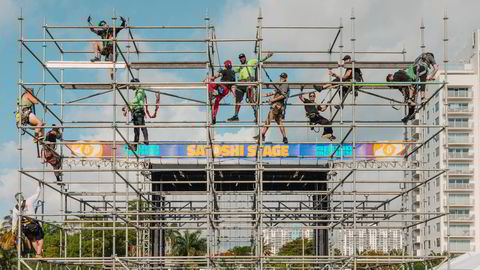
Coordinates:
x,y
118,208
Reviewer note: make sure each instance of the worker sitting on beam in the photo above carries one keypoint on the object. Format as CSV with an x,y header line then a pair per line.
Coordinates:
x,y
219,91
105,47
313,114
348,76
25,113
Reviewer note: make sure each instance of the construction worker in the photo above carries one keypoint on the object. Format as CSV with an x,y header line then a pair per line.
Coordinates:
x,y
219,91
423,69
105,47
347,77
48,152
312,111
138,108
31,227
409,92
247,73
277,108
25,115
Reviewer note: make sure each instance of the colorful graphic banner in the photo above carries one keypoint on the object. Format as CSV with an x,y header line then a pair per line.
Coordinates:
x,y
385,150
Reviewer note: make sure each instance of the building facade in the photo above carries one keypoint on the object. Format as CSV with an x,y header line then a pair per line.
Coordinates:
x,y
384,240
458,150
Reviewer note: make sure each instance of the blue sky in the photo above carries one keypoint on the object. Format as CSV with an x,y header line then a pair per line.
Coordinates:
x,y
379,26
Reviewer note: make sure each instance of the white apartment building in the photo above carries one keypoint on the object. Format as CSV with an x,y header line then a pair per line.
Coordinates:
x,y
384,240
278,237
457,193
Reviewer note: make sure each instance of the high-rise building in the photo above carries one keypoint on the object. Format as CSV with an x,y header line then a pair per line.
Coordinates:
x,y
278,237
458,191
384,240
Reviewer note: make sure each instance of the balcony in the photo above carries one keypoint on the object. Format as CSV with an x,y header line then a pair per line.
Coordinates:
x,y
459,95
459,171
460,202
462,233
460,156
459,187
461,248
460,218
460,141
460,126
460,110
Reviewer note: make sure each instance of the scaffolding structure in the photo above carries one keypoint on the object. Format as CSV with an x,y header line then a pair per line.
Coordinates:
x,y
134,199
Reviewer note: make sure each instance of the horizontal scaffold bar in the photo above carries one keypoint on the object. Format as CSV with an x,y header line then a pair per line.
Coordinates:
x,y
203,65
84,64
169,65
331,64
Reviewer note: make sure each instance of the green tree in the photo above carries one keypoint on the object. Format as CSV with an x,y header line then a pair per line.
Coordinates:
x,y
189,244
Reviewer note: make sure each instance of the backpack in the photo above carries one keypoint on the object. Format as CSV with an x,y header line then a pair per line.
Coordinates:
x,y
427,59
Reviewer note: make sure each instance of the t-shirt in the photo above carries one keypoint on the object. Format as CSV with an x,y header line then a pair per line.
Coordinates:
x,y
310,107
358,75
28,211
138,100
282,90
411,72
228,75
247,72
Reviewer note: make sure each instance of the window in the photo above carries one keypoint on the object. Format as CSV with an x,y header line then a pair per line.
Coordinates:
x,y
437,165
428,115
458,92
437,106
428,157
437,182
459,245
459,168
458,153
459,214
458,107
437,121
458,183
438,241
438,227
460,229
459,199
458,122
437,197
458,138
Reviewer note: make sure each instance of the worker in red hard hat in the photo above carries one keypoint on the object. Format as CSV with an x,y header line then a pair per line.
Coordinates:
x,y
219,91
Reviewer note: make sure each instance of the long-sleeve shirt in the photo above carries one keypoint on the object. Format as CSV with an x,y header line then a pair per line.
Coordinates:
x,y
28,210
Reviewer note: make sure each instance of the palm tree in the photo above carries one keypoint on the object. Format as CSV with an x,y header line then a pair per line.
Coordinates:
x,y
189,244
170,237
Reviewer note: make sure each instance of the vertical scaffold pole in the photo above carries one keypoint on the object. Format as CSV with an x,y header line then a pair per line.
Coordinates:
x,y
114,139
20,167
354,139
259,244
445,121
209,153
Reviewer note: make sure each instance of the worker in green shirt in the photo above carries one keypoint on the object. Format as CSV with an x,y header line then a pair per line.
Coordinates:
x,y
247,73
137,107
